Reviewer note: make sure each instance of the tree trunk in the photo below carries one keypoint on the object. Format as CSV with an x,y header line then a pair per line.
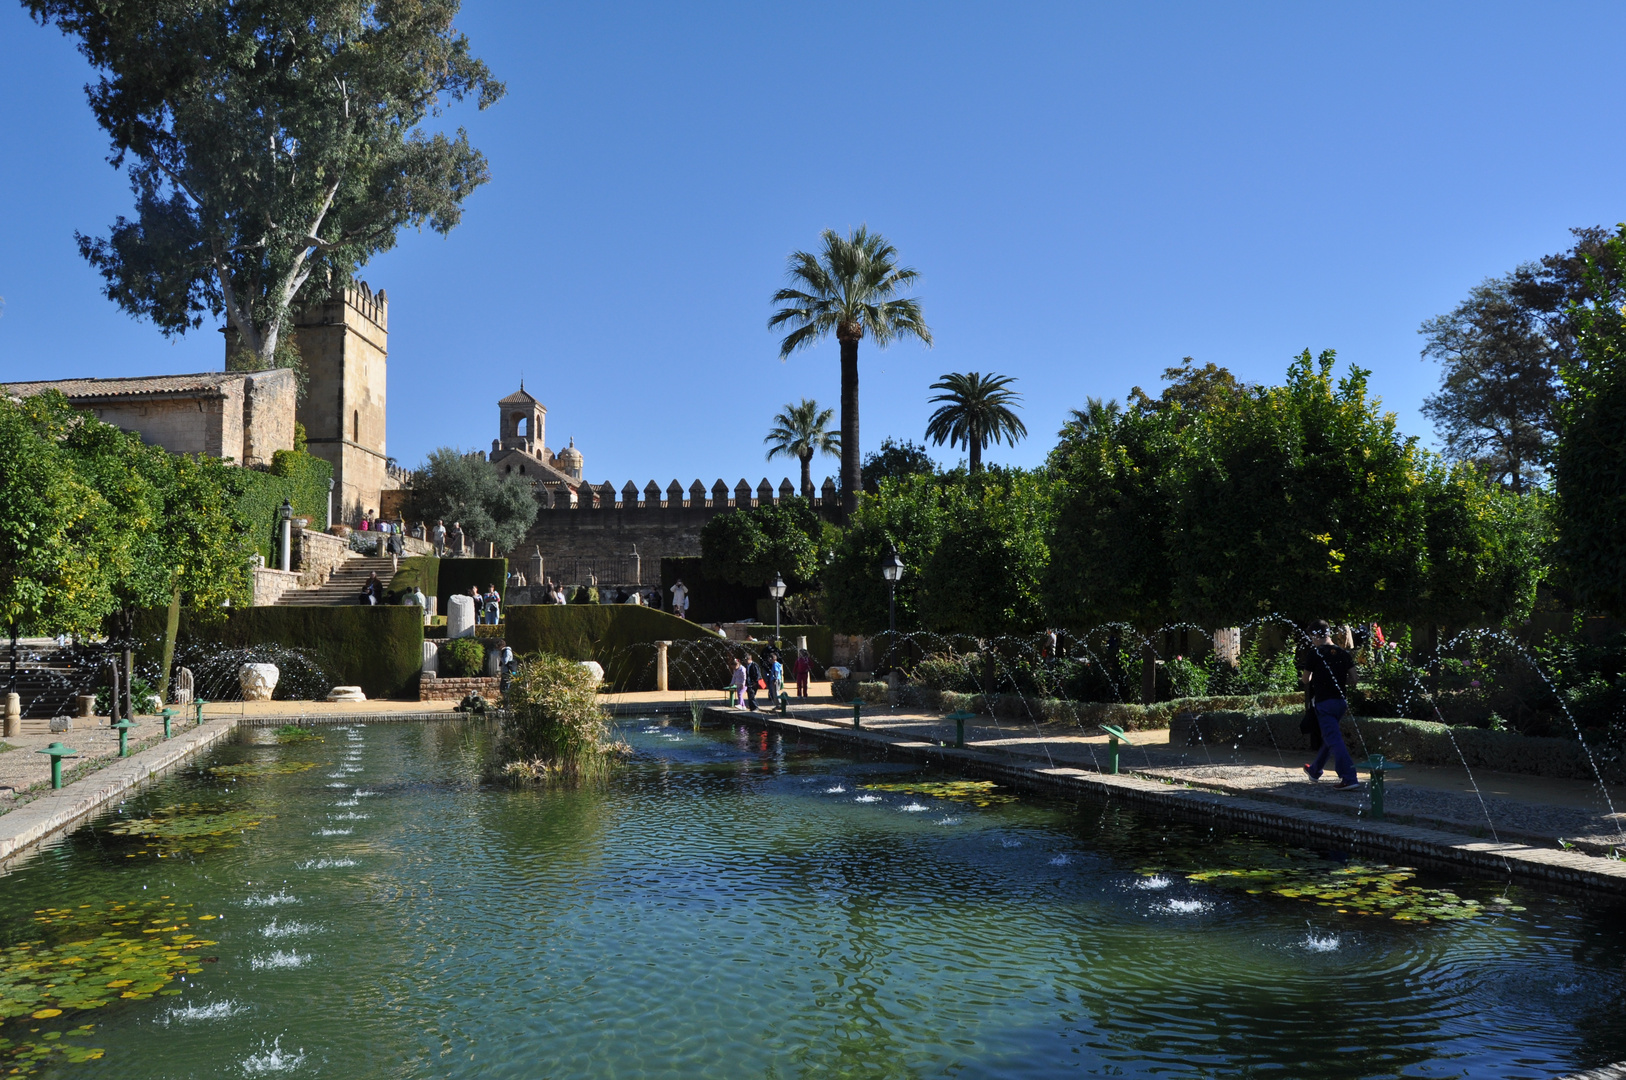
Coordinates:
x,y
807,476
172,626
976,456
852,480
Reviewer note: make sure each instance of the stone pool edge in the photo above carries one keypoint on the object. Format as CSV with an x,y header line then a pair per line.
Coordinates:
x,y
22,830
1442,849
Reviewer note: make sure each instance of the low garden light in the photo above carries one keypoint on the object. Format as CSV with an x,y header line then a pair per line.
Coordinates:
x,y
57,752
123,728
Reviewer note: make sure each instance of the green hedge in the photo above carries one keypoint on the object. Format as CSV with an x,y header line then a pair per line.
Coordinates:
x,y
416,571
710,600
621,637
379,649
820,640
456,576
295,476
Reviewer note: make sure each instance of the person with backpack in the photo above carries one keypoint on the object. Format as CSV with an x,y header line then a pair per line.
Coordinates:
x,y
1328,672
505,662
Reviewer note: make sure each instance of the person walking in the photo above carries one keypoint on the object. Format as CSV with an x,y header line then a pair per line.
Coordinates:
x,y
680,599
802,668
372,593
1329,673
505,662
754,681
493,605
776,677
437,536
736,679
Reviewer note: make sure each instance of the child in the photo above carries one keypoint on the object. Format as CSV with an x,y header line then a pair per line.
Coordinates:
x,y
737,679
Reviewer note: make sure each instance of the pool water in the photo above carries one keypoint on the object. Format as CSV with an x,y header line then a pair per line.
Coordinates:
x,y
735,905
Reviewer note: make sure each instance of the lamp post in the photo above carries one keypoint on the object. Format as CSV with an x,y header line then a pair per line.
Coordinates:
x,y
776,589
892,571
287,535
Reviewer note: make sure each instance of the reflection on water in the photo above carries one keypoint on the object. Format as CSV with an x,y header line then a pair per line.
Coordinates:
x,y
729,908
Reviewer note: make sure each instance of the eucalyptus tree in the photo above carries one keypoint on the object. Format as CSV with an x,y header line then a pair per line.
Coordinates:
x,y
274,147
977,409
800,432
849,289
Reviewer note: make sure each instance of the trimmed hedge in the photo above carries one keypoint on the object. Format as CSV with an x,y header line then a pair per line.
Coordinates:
x,y
711,600
416,571
294,475
820,640
455,577
1421,742
379,649
621,637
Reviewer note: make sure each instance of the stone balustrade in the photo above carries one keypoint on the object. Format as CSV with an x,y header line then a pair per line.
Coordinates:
x,y
697,496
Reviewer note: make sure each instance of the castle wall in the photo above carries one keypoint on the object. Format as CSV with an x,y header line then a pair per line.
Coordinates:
x,y
210,423
270,402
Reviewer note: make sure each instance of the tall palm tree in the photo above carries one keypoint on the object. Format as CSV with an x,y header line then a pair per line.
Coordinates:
x,y
848,289
977,411
800,432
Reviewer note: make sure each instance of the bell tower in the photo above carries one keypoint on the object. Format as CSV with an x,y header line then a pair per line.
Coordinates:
x,y
522,423
344,344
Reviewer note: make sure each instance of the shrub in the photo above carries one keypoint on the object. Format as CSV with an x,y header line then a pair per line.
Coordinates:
x,y
585,594
462,658
555,729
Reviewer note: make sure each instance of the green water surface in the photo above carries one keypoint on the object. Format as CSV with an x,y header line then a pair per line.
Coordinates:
x,y
737,906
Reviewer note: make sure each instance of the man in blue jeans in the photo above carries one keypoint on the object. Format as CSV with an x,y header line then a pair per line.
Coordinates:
x,y
1329,672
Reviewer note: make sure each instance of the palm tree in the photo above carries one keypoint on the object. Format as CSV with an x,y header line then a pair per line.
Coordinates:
x,y
978,411
849,289
802,431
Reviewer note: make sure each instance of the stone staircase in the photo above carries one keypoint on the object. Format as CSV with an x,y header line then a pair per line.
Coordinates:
x,y
343,587
47,682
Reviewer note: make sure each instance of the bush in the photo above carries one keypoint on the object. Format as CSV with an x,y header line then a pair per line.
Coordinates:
x,y
462,658
298,477
555,729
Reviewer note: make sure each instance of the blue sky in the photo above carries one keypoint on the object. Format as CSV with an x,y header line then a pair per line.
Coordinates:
x,y
1090,192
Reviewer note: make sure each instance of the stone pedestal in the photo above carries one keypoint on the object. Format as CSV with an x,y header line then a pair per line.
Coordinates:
x,y
660,664
346,693
460,617
87,705
431,657
14,716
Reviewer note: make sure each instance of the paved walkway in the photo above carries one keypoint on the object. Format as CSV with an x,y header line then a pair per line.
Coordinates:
x,y
1506,806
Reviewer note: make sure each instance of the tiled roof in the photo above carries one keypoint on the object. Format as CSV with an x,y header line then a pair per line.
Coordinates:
x,y
519,397
150,384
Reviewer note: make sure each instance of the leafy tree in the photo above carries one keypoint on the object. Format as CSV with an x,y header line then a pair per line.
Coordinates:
x,y
749,546
907,514
1194,389
1497,401
452,486
1487,548
977,409
848,289
1590,469
58,539
275,147
986,573
1558,289
800,432
895,461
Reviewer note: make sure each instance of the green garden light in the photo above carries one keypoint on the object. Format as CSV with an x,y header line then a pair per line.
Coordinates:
x,y
123,728
57,752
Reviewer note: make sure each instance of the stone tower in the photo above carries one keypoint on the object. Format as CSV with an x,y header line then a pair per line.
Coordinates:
x,y
523,423
344,342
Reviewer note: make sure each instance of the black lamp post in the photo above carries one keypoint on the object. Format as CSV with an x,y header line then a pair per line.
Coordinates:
x,y
892,571
776,589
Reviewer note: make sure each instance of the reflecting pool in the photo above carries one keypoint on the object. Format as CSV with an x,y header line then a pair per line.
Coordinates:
x,y
734,905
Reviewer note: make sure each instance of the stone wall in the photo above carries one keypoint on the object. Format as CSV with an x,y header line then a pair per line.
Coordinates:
x,y
270,399
431,688
269,585
344,342
317,555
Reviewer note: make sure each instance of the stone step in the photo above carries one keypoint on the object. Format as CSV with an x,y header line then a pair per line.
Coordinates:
x,y
343,587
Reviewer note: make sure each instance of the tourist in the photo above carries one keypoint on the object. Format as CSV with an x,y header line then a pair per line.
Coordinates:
x,y
754,681
363,527
547,593
559,594
505,662
457,538
1329,672
493,605
803,667
737,680
417,531
437,536
372,593
680,599
776,676
634,597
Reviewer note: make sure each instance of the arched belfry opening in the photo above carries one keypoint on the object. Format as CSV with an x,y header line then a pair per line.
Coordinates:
x,y
523,422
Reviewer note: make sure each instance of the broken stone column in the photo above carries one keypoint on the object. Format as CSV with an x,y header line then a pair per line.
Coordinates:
x,y
14,716
660,664
459,616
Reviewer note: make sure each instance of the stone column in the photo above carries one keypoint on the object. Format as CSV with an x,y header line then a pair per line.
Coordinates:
x,y
87,705
660,664
287,544
14,716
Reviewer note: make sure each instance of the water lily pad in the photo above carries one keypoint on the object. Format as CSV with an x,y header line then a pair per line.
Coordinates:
x,y
976,792
249,769
293,734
